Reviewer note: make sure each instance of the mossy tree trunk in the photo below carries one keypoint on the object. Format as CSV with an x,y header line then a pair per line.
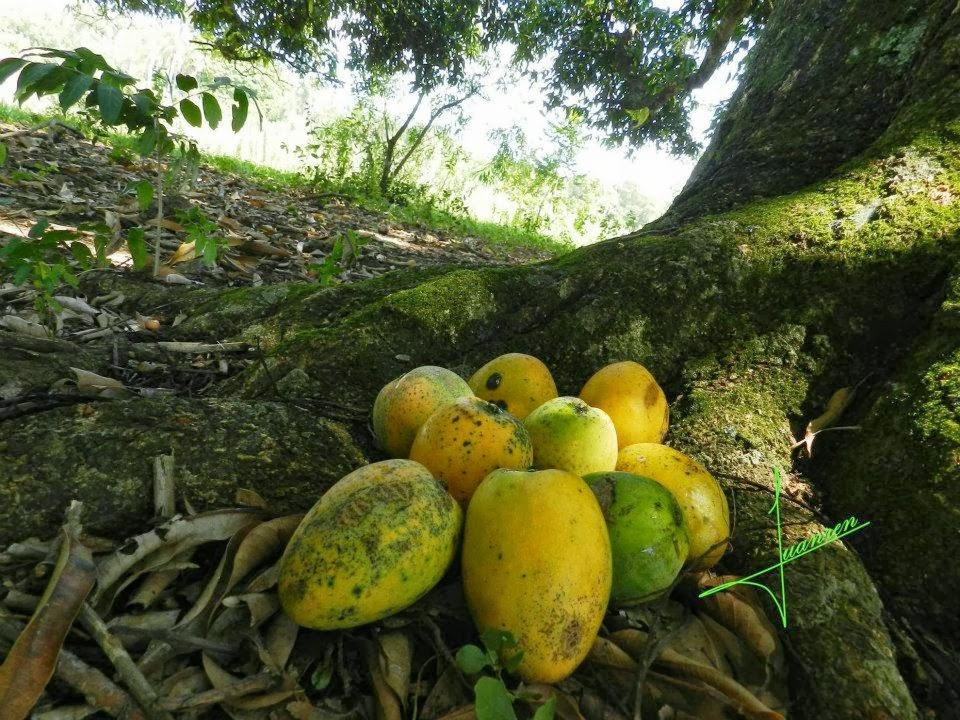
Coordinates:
x,y
814,247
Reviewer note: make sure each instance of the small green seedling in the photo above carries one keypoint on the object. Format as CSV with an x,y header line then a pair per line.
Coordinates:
x,y
492,699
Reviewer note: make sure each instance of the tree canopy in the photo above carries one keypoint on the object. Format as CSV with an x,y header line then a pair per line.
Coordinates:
x,y
627,66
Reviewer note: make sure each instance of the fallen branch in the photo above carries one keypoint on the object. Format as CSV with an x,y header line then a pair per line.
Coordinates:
x,y
126,668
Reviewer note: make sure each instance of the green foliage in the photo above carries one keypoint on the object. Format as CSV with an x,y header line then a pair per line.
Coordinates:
x,y
41,259
629,66
204,234
112,100
492,699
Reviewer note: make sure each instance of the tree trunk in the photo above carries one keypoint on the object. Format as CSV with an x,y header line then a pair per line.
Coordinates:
x,y
750,311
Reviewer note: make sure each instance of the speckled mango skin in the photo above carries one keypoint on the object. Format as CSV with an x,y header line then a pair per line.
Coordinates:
x,y
374,544
515,382
468,439
629,394
648,536
699,495
536,562
404,404
570,435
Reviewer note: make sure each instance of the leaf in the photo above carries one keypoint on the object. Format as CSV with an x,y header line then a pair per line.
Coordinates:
x,y
608,654
493,702
147,141
239,109
3,154
837,403
388,660
91,382
179,532
31,77
110,100
144,192
211,110
186,83
33,657
191,113
10,65
547,710
639,116
744,619
472,659
74,88
137,245
262,543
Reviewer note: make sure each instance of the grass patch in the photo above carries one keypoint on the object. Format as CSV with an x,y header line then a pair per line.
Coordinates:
x,y
422,214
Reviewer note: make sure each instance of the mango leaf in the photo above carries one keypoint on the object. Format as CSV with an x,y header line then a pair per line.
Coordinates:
x,y
186,83
191,112
144,192
211,110
493,702
33,657
240,109
137,245
639,116
31,76
547,710
10,65
472,659
74,89
110,100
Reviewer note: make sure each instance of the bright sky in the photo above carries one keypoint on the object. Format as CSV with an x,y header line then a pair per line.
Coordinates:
x,y
658,174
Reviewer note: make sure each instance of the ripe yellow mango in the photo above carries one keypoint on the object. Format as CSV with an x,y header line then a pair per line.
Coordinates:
x,y
515,382
629,394
699,495
468,439
404,404
536,562
375,543
570,435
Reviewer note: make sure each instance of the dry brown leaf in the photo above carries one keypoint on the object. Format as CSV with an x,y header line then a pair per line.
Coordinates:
x,y
743,619
446,694
388,660
33,657
250,498
260,605
608,654
168,224
91,382
837,403
740,698
179,533
466,712
184,253
278,642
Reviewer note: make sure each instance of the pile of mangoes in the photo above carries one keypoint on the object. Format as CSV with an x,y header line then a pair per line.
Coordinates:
x,y
565,505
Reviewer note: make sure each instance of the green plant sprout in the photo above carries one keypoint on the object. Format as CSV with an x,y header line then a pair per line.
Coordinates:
x,y
492,699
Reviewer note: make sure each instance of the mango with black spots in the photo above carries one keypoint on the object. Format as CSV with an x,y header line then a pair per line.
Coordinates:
x,y
568,434
648,536
404,404
630,395
536,562
375,543
515,382
699,495
468,439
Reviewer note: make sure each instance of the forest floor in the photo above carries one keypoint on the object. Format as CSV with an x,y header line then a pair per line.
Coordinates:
x,y
272,233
